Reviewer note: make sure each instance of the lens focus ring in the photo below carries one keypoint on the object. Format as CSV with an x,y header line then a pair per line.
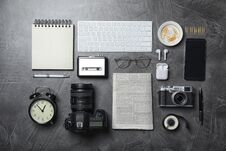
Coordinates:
x,y
179,98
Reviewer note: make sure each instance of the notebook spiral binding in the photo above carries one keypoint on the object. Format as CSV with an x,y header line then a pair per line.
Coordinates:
x,y
52,23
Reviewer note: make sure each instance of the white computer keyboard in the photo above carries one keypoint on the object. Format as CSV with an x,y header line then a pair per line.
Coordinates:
x,y
114,36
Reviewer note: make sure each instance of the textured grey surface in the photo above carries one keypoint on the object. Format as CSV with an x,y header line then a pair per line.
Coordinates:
x,y
19,133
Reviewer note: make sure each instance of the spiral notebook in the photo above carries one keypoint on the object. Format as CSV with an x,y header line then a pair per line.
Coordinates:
x,y
52,45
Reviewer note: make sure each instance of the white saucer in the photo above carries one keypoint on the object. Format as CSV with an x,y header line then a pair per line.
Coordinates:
x,y
170,33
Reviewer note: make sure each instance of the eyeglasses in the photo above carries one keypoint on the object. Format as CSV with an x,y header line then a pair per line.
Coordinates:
x,y
125,61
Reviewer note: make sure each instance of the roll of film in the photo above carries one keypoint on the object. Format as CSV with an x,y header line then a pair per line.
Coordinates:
x,y
171,122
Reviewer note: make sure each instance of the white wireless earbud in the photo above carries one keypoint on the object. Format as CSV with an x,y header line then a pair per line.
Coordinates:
x,y
165,51
158,51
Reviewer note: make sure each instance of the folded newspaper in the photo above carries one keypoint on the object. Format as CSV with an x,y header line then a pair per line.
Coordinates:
x,y
132,101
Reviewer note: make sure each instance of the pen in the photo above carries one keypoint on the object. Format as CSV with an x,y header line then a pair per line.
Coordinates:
x,y
201,106
50,76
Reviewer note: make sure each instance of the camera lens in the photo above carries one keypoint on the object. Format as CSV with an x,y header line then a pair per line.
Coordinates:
x,y
82,97
179,98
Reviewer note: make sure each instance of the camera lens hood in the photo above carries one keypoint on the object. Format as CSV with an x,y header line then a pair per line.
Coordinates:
x,y
81,86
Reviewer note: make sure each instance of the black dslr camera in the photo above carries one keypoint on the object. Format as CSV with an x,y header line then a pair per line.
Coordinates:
x,y
176,96
82,104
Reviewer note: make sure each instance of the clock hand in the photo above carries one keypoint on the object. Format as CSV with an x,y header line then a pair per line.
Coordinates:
x,y
39,108
43,108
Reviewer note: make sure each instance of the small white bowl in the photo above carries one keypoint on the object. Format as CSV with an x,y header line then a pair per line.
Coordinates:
x,y
170,33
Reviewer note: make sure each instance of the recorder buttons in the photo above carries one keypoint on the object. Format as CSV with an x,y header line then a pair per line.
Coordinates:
x,y
171,122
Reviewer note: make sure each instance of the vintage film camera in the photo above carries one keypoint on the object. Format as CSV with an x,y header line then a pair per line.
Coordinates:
x,y
176,96
83,118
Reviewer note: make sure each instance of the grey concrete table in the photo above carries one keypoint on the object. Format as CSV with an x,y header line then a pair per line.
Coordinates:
x,y
19,133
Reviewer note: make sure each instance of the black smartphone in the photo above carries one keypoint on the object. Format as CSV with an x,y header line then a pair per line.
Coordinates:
x,y
195,59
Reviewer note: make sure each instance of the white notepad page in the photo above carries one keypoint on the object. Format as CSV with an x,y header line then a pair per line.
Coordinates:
x,y
52,48
132,101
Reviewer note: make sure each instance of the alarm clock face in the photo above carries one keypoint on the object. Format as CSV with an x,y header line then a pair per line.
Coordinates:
x,y
42,111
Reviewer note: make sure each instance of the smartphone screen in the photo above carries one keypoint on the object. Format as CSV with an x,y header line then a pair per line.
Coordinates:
x,y
195,60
